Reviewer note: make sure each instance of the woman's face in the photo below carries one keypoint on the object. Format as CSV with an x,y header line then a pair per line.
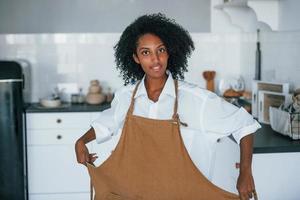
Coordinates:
x,y
152,55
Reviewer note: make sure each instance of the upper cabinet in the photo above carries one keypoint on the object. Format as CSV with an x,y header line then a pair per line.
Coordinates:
x,y
96,16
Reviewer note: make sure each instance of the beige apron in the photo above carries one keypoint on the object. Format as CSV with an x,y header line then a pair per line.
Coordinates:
x,y
150,162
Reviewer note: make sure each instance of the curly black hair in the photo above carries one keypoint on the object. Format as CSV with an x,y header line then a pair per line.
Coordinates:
x,y
176,39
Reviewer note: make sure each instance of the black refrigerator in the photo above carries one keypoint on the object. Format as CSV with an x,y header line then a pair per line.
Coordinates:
x,y
13,170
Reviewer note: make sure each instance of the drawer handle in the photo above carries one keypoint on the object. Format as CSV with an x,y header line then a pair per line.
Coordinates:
x,y
58,121
58,137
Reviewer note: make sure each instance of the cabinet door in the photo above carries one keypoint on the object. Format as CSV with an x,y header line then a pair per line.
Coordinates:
x,y
53,172
224,172
53,169
277,176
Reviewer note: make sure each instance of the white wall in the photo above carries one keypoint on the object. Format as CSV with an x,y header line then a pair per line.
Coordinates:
x,y
289,15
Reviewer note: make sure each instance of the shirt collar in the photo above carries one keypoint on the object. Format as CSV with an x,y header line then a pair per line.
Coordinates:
x,y
169,87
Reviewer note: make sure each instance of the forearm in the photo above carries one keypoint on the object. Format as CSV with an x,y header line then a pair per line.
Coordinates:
x,y
245,182
82,153
246,147
88,136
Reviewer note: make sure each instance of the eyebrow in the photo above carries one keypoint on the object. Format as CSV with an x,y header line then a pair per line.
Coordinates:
x,y
143,48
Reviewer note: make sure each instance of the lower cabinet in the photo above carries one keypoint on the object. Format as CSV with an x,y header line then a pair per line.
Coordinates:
x,y
53,169
277,176
53,172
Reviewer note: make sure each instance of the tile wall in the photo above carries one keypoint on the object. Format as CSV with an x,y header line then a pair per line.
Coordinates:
x,y
280,57
79,58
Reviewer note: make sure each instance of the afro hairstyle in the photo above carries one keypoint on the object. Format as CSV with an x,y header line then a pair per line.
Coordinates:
x,y
176,39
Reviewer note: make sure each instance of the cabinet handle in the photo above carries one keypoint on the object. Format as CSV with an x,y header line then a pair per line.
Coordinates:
x,y
58,137
58,121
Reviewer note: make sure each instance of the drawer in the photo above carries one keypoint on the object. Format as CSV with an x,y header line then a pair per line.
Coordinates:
x,y
60,196
57,120
54,137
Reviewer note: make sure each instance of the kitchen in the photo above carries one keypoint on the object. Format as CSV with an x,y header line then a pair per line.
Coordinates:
x,y
65,45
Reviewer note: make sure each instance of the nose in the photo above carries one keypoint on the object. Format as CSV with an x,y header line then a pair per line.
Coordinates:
x,y
155,57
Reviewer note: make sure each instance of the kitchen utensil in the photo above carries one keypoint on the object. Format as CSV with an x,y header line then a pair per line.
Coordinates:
x,y
209,77
50,103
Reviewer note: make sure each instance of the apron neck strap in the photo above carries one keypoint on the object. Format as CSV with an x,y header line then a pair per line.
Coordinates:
x,y
130,111
174,116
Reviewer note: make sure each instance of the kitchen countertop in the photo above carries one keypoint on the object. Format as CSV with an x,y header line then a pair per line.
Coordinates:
x,y
268,141
66,107
265,139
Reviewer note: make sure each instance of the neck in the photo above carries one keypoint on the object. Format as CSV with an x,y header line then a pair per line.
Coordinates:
x,y
154,84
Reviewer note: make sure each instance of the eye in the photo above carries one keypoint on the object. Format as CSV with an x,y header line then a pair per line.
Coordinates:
x,y
162,50
145,52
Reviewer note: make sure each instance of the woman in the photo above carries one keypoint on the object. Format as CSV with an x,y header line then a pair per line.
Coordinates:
x,y
169,127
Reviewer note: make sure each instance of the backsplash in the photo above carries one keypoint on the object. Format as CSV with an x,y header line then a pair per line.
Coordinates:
x,y
79,58
280,57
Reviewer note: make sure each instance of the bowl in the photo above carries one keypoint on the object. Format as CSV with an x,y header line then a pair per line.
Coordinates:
x,y
50,103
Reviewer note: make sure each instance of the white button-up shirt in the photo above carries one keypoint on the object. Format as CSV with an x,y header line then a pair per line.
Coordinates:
x,y
208,116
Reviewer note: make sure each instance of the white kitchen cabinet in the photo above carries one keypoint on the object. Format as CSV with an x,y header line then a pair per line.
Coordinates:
x,y
53,172
277,176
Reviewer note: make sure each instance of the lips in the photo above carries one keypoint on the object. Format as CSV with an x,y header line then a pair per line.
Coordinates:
x,y
156,68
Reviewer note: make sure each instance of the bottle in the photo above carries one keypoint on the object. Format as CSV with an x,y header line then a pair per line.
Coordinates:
x,y
80,98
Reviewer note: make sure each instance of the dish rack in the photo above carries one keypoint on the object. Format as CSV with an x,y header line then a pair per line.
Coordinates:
x,y
285,123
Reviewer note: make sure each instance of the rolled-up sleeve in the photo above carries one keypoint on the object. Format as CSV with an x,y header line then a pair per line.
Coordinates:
x,y
223,119
108,122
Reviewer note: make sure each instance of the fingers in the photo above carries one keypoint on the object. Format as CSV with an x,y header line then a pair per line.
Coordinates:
x,y
247,192
87,158
245,185
255,195
93,157
246,195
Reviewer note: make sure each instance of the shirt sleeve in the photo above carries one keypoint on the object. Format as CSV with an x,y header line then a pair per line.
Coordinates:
x,y
109,121
223,119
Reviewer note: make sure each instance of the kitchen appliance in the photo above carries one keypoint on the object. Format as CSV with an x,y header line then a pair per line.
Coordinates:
x,y
13,170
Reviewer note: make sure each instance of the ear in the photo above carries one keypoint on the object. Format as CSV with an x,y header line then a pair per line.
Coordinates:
x,y
136,59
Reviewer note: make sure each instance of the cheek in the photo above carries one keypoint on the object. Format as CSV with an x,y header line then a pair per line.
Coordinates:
x,y
145,61
144,64
166,58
